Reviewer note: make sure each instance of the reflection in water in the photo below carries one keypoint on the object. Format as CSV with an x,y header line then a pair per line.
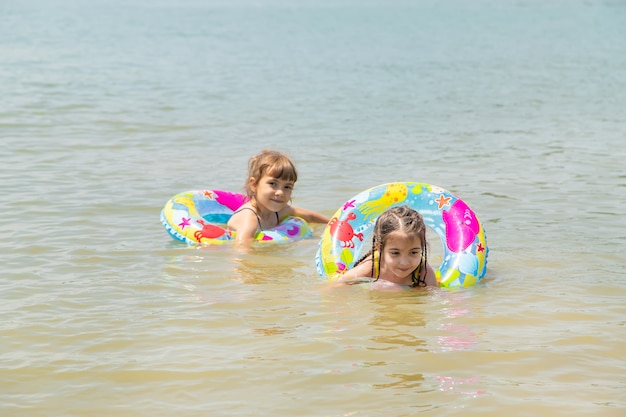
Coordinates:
x,y
462,339
212,274
420,323
403,381
260,264
457,337
397,319
396,324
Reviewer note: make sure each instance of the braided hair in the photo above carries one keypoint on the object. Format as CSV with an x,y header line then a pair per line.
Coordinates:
x,y
404,219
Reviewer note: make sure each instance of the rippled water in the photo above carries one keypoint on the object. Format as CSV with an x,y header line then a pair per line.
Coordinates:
x,y
110,108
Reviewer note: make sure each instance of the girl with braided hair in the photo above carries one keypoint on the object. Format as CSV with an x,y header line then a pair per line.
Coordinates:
x,y
399,253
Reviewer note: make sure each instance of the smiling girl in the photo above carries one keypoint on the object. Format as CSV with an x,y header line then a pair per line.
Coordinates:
x,y
271,179
398,255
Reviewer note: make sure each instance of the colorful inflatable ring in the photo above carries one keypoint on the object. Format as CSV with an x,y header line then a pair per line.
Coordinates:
x,y
199,217
463,236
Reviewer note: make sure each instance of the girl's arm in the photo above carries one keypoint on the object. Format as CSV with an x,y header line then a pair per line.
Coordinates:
x,y
245,225
356,274
308,215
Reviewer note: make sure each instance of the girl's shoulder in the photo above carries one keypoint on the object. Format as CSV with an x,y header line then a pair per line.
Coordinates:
x,y
247,209
240,215
286,211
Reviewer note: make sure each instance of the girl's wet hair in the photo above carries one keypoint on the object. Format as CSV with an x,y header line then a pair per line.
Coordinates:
x,y
399,219
271,163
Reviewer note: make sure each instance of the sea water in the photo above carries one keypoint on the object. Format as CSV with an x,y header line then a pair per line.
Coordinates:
x,y
109,108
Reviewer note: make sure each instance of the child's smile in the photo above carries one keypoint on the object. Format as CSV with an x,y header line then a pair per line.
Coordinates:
x,y
401,256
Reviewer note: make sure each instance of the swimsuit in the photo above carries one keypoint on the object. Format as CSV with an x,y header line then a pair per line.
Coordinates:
x,y
257,216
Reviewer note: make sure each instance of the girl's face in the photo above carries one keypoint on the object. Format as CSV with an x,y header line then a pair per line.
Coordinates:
x,y
401,255
271,193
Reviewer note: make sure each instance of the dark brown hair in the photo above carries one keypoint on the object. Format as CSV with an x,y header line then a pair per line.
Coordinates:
x,y
398,219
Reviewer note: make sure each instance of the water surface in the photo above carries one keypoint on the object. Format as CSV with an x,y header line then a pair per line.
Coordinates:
x,y
110,108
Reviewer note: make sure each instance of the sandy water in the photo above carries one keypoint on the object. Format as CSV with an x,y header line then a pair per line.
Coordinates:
x,y
110,108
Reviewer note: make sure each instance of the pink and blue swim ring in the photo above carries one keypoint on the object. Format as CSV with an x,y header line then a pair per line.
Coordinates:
x,y
199,217
462,234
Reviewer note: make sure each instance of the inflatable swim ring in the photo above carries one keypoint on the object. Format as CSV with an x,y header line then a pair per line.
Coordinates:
x,y
199,217
463,236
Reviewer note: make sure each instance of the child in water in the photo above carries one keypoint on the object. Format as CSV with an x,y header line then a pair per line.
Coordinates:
x,y
271,178
398,255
